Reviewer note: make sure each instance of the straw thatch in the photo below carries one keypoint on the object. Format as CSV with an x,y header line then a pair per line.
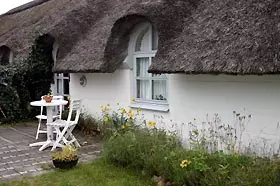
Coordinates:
x,y
195,36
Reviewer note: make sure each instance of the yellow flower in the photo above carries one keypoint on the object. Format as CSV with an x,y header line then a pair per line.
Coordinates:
x,y
123,126
133,100
106,119
185,163
123,111
130,113
152,123
103,109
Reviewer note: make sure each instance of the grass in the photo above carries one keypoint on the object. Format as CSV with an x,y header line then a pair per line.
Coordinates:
x,y
97,173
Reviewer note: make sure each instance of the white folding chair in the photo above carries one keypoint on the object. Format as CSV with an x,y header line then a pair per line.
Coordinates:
x,y
57,115
64,128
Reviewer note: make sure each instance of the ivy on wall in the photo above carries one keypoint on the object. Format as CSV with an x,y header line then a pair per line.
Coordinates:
x,y
26,81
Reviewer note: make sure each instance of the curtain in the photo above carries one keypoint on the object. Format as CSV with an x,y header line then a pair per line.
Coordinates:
x,y
143,86
144,92
159,89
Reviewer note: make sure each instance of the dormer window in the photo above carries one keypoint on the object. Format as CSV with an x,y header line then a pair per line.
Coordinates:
x,y
150,90
5,55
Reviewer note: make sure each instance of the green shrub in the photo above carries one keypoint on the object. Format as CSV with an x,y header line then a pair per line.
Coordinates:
x,y
138,145
156,152
25,81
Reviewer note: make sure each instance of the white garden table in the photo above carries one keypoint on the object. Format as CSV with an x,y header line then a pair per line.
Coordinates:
x,y
49,106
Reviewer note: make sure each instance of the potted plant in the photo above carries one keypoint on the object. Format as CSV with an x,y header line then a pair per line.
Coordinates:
x,y
66,158
48,98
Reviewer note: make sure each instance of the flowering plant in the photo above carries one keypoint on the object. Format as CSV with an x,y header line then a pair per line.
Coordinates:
x,y
48,97
185,163
121,118
67,153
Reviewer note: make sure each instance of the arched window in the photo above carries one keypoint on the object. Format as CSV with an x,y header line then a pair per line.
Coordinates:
x,y
5,55
148,88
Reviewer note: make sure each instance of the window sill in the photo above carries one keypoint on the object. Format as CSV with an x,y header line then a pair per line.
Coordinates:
x,y
151,106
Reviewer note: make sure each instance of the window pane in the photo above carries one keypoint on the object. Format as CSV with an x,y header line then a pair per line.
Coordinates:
x,y
66,86
143,89
142,65
154,39
159,90
142,41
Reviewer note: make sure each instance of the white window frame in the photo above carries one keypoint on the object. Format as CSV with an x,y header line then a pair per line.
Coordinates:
x,y
61,91
158,105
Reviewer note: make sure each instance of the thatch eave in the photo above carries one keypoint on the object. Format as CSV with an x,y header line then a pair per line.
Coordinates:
x,y
195,37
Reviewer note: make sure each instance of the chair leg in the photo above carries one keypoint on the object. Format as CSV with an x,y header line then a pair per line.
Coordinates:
x,y
38,129
60,136
57,140
73,139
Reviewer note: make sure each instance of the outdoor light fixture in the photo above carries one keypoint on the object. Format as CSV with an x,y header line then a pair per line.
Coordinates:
x,y
83,81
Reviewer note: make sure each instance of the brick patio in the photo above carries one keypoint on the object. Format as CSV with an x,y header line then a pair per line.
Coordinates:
x,y
17,159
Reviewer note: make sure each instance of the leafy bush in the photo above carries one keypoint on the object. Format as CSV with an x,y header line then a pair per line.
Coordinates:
x,y
26,81
157,152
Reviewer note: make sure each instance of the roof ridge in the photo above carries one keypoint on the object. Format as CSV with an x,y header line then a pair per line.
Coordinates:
x,y
24,7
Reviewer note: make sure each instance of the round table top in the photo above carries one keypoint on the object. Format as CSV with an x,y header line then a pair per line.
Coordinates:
x,y
53,103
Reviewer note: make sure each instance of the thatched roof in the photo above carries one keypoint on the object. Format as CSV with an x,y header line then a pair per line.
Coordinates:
x,y
195,36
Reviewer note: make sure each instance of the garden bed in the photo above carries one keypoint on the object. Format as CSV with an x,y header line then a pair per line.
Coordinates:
x,y
158,153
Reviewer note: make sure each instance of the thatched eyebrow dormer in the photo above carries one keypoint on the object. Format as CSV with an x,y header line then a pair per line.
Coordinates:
x,y
202,36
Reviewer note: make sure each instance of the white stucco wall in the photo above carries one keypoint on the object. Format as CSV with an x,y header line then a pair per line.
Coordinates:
x,y
194,97
101,89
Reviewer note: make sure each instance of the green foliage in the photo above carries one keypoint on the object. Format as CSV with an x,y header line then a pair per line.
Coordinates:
x,y
67,153
119,120
26,81
157,152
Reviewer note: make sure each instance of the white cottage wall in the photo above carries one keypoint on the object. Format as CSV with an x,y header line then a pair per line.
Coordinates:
x,y
198,95
194,96
101,89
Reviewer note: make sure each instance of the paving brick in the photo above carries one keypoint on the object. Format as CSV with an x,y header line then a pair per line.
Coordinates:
x,y
6,173
17,159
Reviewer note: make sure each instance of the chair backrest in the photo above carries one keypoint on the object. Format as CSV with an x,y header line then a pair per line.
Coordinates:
x,y
75,108
58,110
